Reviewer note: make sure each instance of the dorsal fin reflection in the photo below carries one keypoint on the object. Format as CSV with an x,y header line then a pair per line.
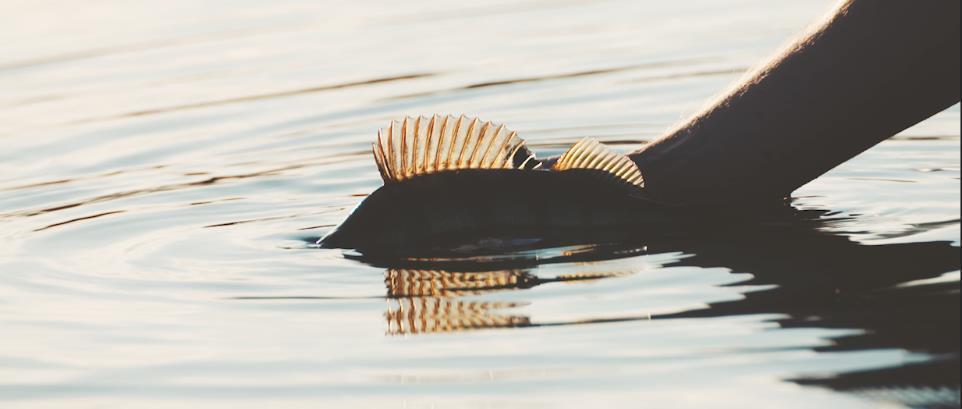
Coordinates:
x,y
430,300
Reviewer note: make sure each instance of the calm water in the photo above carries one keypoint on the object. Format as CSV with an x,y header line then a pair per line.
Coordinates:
x,y
163,171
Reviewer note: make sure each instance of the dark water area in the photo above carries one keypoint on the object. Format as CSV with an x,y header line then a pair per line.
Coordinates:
x,y
166,171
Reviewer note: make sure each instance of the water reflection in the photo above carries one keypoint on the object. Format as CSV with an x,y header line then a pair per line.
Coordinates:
x,y
809,278
425,301
822,280
269,95
560,76
437,314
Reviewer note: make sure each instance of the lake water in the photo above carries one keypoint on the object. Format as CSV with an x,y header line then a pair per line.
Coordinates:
x,y
164,170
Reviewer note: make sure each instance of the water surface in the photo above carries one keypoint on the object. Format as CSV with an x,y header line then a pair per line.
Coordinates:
x,y
163,171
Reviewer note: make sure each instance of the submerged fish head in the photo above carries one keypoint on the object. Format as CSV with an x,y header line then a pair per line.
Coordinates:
x,y
372,224
432,213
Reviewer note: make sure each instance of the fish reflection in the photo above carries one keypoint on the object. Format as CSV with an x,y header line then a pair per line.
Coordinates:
x,y
893,295
440,283
428,300
434,314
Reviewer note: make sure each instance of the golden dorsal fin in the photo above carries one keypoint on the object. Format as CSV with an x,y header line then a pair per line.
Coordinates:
x,y
422,145
591,154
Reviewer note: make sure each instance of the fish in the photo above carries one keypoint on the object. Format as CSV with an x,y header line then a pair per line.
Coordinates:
x,y
459,184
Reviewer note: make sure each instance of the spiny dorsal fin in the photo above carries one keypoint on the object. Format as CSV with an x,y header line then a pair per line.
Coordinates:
x,y
591,154
421,145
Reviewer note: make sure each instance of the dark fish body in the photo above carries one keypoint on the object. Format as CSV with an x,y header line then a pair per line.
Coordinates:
x,y
449,210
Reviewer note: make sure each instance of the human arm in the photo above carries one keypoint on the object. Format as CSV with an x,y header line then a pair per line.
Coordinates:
x,y
871,70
